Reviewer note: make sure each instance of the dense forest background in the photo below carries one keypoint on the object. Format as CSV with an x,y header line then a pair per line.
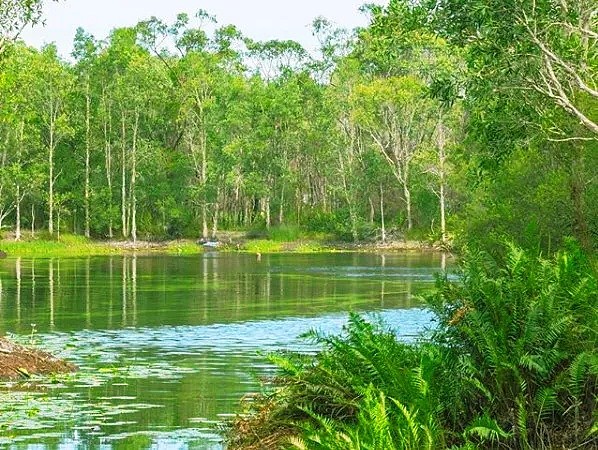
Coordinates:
x,y
436,121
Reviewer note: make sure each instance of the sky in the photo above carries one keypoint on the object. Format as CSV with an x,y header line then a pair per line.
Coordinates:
x,y
257,19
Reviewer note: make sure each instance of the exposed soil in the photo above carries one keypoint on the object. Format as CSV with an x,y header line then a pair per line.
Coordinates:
x,y
18,362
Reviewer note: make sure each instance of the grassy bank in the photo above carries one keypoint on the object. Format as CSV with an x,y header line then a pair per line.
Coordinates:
x,y
68,245
512,364
73,246
286,239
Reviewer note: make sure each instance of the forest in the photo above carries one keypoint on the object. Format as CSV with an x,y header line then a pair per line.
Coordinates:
x,y
444,123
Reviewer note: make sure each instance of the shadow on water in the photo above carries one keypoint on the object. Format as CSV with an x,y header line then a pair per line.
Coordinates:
x,y
168,345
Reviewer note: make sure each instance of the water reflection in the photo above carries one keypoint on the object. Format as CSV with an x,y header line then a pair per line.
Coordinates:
x,y
72,294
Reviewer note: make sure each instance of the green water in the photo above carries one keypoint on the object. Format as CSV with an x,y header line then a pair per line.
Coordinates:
x,y
167,345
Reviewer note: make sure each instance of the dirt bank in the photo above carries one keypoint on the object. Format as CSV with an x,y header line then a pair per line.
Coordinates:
x,y
18,362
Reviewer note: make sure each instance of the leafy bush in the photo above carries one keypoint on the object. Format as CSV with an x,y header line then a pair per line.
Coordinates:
x,y
521,335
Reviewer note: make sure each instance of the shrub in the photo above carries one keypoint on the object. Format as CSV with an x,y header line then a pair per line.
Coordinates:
x,y
521,333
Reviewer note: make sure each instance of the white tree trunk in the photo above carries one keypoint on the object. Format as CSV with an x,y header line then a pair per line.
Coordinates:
x,y
215,220
407,194
32,220
267,211
281,208
51,179
442,175
134,179
382,222
18,212
123,172
108,161
204,221
19,197
87,157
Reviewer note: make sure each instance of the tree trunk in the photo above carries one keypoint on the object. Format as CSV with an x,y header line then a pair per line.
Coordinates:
x,y
134,179
281,208
204,221
204,180
51,179
442,212
87,157
19,197
58,228
247,218
442,169
372,211
267,212
123,189
407,194
215,220
108,162
18,212
382,223
32,220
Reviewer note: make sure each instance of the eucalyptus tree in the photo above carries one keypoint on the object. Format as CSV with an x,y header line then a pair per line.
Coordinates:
x,y
546,48
200,68
85,53
533,69
411,77
20,154
398,117
53,85
122,66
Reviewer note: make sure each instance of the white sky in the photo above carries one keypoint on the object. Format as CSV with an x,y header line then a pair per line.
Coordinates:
x,y
257,19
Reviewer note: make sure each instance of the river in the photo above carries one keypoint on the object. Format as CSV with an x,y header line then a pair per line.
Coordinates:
x,y
168,345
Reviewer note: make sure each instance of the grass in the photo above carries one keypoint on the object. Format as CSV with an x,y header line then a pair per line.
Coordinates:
x,y
285,238
182,247
270,246
511,364
280,239
68,245
71,245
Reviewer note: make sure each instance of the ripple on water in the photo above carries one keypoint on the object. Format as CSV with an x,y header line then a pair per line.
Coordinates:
x,y
167,355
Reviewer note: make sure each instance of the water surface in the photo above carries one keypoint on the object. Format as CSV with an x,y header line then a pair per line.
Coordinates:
x,y
167,345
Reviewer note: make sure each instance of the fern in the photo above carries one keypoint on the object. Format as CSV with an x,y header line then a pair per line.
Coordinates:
x,y
487,429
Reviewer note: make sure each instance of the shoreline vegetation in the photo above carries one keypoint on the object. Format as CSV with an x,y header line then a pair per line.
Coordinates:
x,y
72,245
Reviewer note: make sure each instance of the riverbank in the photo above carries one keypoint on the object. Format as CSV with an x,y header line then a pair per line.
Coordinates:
x,y
73,245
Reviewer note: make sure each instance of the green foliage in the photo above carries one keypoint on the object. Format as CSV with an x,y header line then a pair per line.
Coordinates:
x,y
136,140
263,246
516,328
511,363
285,233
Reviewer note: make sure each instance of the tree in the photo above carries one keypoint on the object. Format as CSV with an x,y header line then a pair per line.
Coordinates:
x,y
398,117
54,83
15,16
531,84
547,48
